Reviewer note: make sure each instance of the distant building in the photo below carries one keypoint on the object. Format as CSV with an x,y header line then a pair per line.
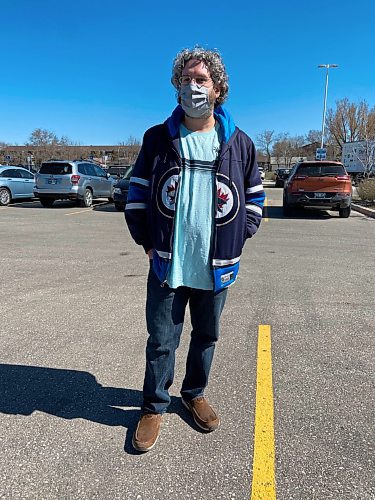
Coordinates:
x,y
309,150
262,161
285,161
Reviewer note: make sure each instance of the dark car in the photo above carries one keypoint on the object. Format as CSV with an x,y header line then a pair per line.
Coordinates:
x,y
318,184
281,176
120,193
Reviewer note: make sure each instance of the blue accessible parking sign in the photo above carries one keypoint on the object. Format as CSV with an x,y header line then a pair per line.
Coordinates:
x,y
321,154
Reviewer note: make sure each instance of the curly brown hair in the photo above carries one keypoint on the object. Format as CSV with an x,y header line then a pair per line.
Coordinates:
x,y
214,63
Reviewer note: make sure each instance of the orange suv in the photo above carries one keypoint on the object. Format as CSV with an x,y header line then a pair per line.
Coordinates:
x,y
318,184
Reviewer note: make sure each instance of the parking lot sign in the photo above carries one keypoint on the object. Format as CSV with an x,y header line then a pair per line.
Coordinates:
x,y
321,154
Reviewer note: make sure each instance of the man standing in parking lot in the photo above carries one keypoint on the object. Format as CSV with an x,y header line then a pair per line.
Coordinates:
x,y
194,198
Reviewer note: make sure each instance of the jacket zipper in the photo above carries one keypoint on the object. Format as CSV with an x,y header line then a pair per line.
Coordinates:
x,y
216,207
164,282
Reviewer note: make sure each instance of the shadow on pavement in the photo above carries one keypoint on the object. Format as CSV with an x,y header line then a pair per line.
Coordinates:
x,y
37,204
303,214
105,207
60,204
73,394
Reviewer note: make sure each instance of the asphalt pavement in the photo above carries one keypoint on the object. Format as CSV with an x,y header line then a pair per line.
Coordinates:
x,y
72,338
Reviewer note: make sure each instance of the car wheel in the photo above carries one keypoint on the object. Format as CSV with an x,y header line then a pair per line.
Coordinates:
x,y
47,202
110,199
344,212
87,198
119,207
5,197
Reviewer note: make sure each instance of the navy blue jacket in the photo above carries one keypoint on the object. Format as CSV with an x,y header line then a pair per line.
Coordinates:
x,y
153,193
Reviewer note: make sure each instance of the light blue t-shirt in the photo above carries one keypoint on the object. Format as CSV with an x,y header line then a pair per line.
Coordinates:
x,y
194,218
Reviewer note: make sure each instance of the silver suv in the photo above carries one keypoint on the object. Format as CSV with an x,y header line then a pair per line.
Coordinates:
x,y
79,180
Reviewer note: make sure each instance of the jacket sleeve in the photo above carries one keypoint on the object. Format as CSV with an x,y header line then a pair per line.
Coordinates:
x,y
254,193
139,197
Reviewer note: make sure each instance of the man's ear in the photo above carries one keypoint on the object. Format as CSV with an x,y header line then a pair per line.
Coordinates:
x,y
217,91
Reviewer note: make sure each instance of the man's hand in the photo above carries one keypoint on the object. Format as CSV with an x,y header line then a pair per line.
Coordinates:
x,y
150,254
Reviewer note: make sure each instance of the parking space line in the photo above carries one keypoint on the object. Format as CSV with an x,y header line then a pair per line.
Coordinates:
x,y
263,484
265,210
89,209
80,211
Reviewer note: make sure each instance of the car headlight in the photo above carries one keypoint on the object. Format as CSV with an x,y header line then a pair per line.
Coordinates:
x,y
117,190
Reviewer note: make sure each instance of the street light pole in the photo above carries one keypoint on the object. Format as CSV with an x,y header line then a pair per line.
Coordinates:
x,y
327,66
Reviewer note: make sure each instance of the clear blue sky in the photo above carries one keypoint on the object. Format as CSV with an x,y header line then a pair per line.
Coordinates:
x,y
99,71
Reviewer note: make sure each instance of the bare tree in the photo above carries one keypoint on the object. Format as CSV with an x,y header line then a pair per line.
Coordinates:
x,y
42,137
45,145
287,148
264,141
129,150
313,136
350,122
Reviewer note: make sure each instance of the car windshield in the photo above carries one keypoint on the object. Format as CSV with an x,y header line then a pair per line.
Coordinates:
x,y
56,168
321,170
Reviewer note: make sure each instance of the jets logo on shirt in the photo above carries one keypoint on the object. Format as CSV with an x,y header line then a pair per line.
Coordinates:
x,y
227,199
222,200
227,203
167,191
171,193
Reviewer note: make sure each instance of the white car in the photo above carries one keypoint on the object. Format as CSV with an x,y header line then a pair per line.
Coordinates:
x,y
262,173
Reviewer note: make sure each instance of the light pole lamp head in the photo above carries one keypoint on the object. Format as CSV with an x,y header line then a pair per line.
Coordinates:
x,y
328,66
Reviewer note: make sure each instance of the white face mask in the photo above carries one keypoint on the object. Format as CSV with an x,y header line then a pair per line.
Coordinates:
x,y
195,100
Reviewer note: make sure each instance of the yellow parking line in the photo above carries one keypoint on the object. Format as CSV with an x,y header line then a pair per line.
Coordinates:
x,y
265,211
263,485
89,209
80,211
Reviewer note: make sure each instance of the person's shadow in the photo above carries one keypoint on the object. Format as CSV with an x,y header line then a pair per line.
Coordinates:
x,y
73,394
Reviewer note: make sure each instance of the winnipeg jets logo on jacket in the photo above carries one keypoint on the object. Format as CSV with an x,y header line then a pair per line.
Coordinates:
x,y
154,191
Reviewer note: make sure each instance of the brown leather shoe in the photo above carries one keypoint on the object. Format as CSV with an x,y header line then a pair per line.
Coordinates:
x,y
203,414
147,431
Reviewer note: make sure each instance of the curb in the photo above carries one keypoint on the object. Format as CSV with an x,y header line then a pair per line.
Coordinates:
x,y
363,210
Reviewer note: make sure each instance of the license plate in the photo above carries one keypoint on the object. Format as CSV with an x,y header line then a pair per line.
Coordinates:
x,y
319,195
52,181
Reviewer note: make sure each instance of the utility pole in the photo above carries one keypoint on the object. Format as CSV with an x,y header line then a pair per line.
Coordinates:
x,y
327,66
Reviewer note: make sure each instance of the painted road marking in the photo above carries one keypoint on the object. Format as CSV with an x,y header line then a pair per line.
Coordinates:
x,y
265,211
80,211
88,209
263,485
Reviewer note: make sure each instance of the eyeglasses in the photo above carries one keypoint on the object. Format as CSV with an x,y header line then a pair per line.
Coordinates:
x,y
200,81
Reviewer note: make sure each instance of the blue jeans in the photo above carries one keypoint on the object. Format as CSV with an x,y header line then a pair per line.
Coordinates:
x,y
165,311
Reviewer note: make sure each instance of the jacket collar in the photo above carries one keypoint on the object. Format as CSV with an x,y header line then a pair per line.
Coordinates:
x,y
221,115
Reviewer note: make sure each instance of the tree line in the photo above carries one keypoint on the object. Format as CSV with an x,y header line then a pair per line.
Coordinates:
x,y
347,122
44,144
